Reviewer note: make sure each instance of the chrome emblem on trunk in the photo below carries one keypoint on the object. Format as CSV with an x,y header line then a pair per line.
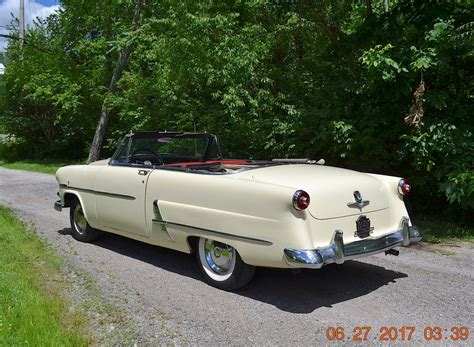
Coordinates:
x,y
360,203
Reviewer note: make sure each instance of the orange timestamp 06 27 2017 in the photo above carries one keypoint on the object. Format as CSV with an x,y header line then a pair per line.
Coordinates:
x,y
392,333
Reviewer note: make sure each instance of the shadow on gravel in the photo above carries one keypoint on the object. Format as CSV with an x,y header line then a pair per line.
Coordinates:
x,y
303,291
296,291
167,259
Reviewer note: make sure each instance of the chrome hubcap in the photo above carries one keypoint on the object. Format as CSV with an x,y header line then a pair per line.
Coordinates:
x,y
219,256
79,219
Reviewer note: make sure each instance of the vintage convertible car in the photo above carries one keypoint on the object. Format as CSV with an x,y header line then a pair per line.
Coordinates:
x,y
175,190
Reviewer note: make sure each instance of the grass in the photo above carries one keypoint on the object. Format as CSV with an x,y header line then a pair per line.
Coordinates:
x,y
436,231
33,309
45,167
445,252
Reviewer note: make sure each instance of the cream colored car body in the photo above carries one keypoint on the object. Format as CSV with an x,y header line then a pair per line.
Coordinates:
x,y
251,210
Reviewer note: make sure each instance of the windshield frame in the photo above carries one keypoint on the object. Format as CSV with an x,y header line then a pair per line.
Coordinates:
x,y
127,141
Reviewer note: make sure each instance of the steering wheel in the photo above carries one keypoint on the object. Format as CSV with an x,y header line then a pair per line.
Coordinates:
x,y
149,151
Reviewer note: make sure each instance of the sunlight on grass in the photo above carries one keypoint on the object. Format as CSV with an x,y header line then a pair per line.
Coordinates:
x,y
33,311
44,167
437,231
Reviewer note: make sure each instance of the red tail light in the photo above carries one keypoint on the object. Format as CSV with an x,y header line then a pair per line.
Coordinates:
x,y
404,186
301,200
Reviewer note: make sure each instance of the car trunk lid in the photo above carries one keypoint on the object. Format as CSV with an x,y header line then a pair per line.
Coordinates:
x,y
332,190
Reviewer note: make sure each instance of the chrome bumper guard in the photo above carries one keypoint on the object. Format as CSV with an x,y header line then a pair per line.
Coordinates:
x,y
338,252
58,206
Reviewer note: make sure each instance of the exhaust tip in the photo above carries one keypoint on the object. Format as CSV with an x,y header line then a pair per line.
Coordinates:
x,y
392,252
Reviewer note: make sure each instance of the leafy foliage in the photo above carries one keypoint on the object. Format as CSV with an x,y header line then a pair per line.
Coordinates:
x,y
331,79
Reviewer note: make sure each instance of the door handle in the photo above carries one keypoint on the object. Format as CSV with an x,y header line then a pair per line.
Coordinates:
x,y
143,172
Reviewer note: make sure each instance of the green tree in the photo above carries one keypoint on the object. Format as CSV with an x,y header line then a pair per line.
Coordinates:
x,y
332,79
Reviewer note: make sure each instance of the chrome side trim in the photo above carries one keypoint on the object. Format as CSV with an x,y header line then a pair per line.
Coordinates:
x,y
159,219
216,233
58,206
113,195
97,192
156,211
338,252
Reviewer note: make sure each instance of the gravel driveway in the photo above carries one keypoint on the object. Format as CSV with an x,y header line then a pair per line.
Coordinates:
x,y
164,299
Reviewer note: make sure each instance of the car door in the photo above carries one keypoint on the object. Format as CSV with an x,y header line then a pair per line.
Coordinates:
x,y
120,198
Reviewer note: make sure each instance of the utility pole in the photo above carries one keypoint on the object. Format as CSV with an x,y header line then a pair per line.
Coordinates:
x,y
21,33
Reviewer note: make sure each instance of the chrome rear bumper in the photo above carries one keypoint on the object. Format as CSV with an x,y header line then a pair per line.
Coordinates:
x,y
338,252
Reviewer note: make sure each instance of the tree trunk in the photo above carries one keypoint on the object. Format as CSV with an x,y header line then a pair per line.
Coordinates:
x,y
385,5
368,3
99,136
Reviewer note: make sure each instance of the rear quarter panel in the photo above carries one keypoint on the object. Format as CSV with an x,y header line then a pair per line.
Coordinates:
x,y
396,202
227,204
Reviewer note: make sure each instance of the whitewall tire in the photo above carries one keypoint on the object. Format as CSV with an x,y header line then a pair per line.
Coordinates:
x,y
221,265
81,230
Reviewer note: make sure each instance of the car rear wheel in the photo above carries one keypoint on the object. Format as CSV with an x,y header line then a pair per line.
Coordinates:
x,y
81,230
222,266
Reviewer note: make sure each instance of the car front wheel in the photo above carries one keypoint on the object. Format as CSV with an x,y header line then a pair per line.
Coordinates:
x,y
222,266
81,230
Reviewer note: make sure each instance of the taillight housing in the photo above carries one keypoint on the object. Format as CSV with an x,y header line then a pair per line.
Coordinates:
x,y
404,186
301,200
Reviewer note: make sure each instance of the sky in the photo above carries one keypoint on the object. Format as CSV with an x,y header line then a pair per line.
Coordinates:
x,y
33,9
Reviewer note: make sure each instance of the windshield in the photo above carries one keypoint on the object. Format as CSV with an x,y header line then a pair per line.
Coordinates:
x,y
161,149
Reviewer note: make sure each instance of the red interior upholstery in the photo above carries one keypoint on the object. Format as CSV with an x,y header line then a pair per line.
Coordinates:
x,y
223,161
